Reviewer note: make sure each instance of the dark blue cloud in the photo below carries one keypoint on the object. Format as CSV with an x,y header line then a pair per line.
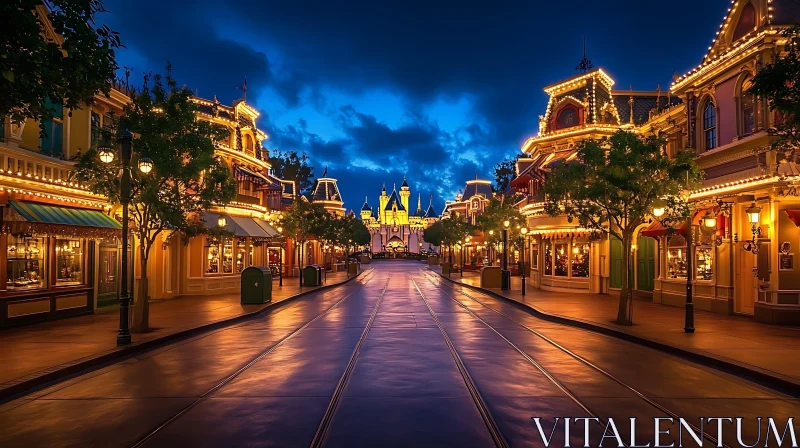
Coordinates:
x,y
327,56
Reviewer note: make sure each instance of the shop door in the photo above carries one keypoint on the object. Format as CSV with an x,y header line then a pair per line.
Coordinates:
x,y
645,263
746,282
615,276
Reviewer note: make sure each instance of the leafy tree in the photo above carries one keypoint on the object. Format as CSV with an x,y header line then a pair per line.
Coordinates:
x,y
777,82
302,221
454,229
186,179
612,187
289,165
433,234
504,172
69,70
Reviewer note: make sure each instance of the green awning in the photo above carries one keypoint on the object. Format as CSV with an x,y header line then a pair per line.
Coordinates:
x,y
53,214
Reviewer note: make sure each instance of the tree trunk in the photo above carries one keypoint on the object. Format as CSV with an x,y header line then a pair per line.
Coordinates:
x,y
141,309
625,296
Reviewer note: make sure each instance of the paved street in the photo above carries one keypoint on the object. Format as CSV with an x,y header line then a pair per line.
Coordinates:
x,y
397,357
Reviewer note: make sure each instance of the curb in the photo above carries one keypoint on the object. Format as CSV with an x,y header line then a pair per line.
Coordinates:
x,y
778,383
57,374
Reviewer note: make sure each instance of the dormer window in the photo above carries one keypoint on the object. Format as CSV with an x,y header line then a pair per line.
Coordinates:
x,y
568,117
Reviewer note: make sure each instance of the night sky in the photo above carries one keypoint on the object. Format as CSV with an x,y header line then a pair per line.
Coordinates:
x,y
439,91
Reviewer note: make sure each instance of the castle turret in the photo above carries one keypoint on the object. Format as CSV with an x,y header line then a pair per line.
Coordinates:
x,y
405,193
366,211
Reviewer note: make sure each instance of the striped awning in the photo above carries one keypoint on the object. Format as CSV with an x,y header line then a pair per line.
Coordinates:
x,y
53,214
271,231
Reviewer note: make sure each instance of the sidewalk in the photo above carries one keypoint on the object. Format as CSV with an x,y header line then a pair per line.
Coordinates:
x,y
32,353
766,349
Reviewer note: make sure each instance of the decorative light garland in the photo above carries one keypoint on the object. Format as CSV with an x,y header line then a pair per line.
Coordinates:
x,y
51,196
58,182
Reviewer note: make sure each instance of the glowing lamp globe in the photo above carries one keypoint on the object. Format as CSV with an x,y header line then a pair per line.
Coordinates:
x,y
145,165
754,214
222,221
106,154
710,221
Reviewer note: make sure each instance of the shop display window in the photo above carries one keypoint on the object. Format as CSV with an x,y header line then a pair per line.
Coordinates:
x,y
561,259
227,256
676,258
212,257
69,262
26,263
704,263
242,254
580,260
548,258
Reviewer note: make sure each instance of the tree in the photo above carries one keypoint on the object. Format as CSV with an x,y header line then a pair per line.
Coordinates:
x,y
67,68
186,179
433,234
612,187
302,221
504,172
453,231
291,166
777,82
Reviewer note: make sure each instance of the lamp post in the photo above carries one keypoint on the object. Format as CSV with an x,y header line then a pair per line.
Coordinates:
x,y
524,232
658,211
106,156
491,254
280,257
505,283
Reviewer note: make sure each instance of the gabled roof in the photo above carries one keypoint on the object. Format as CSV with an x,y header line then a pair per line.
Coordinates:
x,y
393,199
325,189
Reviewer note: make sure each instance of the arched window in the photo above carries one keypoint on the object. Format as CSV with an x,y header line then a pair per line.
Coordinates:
x,y
710,126
747,108
568,117
248,142
747,21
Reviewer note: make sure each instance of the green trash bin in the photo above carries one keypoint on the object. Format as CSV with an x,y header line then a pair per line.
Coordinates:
x,y
256,285
311,276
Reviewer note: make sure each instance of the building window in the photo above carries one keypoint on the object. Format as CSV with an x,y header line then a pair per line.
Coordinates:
x,y
704,263
212,257
568,117
25,263
676,257
580,260
548,258
561,260
748,109
52,141
710,126
534,256
97,135
242,254
747,21
69,262
219,256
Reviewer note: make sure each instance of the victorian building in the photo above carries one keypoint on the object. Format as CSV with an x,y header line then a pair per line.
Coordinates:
x,y
745,214
393,226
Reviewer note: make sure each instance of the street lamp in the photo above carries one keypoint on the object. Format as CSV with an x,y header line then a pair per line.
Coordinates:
x,y
222,221
106,155
505,283
524,232
145,165
754,217
280,257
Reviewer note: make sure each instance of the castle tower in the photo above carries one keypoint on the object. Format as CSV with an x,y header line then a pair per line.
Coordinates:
x,y
382,201
405,193
366,211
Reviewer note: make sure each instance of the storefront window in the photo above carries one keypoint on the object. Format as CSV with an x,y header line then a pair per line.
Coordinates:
x,y
212,257
704,263
69,262
227,256
534,256
548,258
561,267
580,260
676,258
242,254
26,266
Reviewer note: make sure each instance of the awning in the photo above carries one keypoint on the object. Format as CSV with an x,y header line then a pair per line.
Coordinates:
x,y
794,215
53,214
656,230
231,226
271,231
243,173
249,225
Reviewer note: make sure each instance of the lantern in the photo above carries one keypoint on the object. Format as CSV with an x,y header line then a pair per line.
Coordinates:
x,y
145,165
106,154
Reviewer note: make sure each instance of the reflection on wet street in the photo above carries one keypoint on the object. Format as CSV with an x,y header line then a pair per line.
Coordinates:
x,y
395,358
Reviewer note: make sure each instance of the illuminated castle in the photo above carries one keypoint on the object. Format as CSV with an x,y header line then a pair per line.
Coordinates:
x,y
393,227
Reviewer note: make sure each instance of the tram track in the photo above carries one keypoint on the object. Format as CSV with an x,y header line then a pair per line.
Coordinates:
x,y
650,401
480,403
336,398
142,440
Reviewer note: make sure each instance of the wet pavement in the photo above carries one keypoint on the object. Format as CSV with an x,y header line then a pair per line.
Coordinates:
x,y
395,358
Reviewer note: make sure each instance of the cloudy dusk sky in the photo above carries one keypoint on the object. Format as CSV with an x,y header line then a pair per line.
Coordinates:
x,y
438,91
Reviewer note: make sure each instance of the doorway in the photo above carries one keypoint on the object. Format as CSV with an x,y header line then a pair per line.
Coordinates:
x,y
645,263
746,290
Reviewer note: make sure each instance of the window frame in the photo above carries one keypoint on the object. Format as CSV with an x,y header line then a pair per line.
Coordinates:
x,y
713,128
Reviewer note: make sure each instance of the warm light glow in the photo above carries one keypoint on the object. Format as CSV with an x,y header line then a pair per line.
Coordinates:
x,y
280,229
106,154
491,232
659,212
222,221
506,223
754,214
524,230
576,250
145,165
710,221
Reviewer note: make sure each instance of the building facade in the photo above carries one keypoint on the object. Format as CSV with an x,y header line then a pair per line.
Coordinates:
x,y
739,267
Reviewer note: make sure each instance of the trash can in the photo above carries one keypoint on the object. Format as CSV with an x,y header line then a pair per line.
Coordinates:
x,y
311,276
256,285
353,268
